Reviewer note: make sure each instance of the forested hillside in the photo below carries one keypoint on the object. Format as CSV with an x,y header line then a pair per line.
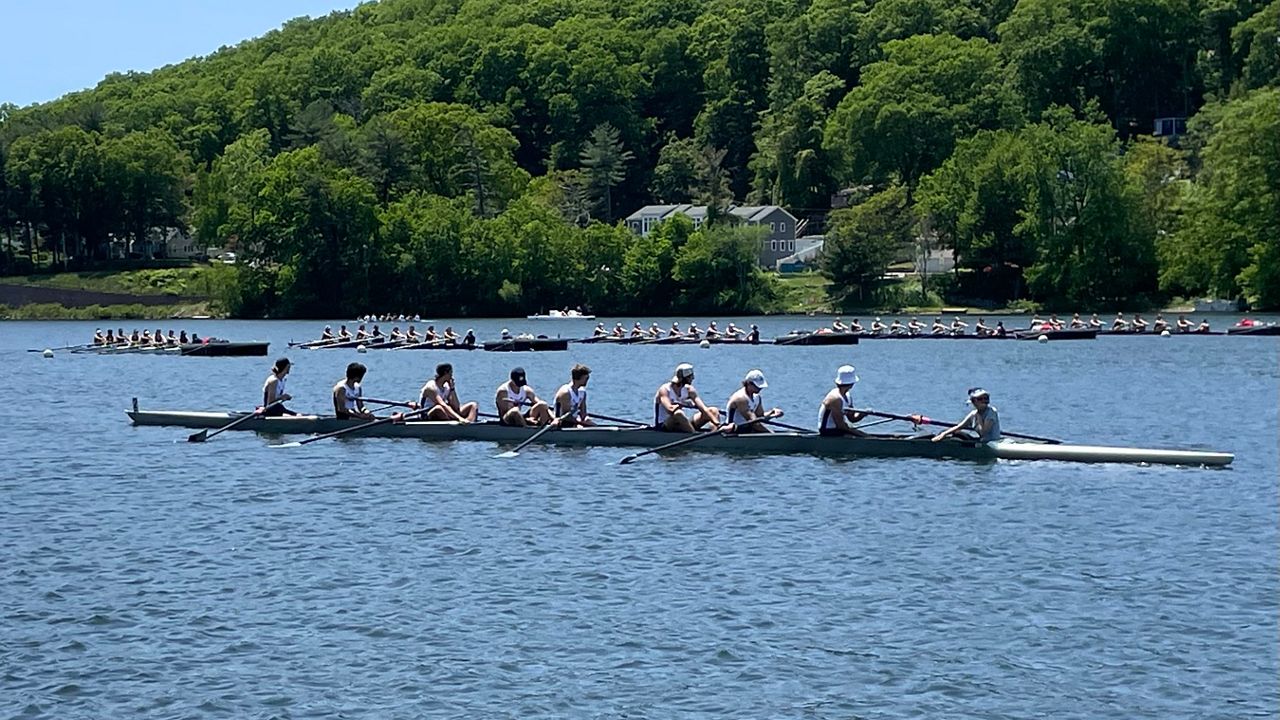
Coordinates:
x,y
475,155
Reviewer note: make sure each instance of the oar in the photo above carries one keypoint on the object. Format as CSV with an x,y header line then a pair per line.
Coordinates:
x,y
355,428
797,428
686,441
395,403
940,423
205,434
622,421
549,426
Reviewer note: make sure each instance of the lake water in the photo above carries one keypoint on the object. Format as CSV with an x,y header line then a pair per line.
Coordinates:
x,y
144,576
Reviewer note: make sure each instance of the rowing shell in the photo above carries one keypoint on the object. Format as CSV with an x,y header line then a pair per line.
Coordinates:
x,y
770,443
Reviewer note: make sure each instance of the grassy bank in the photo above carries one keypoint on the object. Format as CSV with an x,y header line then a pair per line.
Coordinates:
x,y
200,280
52,311
802,294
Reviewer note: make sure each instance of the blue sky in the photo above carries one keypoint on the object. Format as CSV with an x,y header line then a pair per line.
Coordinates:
x,y
51,47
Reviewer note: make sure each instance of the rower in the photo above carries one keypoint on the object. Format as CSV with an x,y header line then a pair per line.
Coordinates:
x,y
744,405
636,330
938,328
273,390
1119,324
836,414
958,326
469,340
1076,322
673,397
1055,322
1095,323
327,333
171,339
982,423
655,332
856,327
376,334
110,338
712,332
896,327
135,338
158,337
511,398
1139,325
396,335
980,328
675,330
1203,327
98,337
915,327
441,396
571,399
753,337
449,336
121,339
361,333
347,402
878,327
999,331
411,335
618,331
182,338
599,331
693,333
343,333
1184,325
1160,324
732,332
839,326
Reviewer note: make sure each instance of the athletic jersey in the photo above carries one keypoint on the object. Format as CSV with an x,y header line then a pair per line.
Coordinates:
x,y
976,417
576,398
681,399
825,422
442,393
279,388
753,404
519,398
353,393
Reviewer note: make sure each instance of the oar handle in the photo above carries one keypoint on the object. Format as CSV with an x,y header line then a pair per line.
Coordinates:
x,y
940,423
395,403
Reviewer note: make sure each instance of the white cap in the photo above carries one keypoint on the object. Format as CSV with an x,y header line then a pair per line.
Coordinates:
x,y
683,370
977,393
846,375
755,377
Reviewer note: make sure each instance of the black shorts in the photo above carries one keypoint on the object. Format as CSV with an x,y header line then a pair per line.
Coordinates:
x,y
831,432
277,411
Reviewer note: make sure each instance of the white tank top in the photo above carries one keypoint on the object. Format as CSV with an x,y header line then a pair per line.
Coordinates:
x,y
824,416
681,399
279,388
442,392
353,393
575,400
753,404
517,398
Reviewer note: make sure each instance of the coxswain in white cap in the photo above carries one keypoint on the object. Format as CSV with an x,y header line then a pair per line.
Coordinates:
x,y
676,398
836,414
745,405
981,424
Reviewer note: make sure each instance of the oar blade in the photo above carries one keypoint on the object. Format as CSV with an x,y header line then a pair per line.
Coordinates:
x,y
628,460
198,437
507,454
286,445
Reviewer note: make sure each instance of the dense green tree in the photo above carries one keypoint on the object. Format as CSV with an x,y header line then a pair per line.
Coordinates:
x,y
149,175
604,163
861,243
719,269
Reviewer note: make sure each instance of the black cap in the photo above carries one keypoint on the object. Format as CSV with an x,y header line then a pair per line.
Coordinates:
x,y
517,373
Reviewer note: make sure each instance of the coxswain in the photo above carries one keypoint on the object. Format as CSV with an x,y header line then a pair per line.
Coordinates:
x,y
839,326
745,405
1184,325
361,333
712,332
571,399
599,331
1159,325
982,423
1120,324
897,328
1203,327
196,339
273,390
693,332
469,340
98,337
915,327
980,328
347,395
636,330
675,330
674,397
836,414
440,398
938,328
958,326
1139,325
449,336
618,331
732,332
1095,323
506,334
1076,322
753,337
878,327
327,333
512,398
1246,322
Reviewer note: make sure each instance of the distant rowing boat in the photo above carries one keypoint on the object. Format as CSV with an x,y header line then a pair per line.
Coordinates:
x,y
558,315
758,444
509,345
210,349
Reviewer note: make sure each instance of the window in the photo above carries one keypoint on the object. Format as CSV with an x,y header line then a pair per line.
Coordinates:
x,y
782,227
772,228
773,245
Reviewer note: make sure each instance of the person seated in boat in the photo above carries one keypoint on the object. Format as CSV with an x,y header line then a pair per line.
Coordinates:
x,y
449,336
1203,327
1076,322
693,332
395,335
469,340
1036,322
980,328
182,338
618,331
636,330
897,328
361,333
675,330
1159,325
109,338
1246,322
982,424
938,327
655,332
440,397
999,330
745,405
712,333
731,332
753,336
839,326
327,333
676,396
1184,325
348,403
1095,323
878,328
505,335
375,334
1139,325
1120,324
157,338
514,396
915,327
197,340
411,335
856,327
1054,322
172,339
98,337
836,414
417,317
958,326
343,333
273,390
571,399
599,330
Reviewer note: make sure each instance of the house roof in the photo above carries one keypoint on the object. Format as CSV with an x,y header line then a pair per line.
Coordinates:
x,y
750,213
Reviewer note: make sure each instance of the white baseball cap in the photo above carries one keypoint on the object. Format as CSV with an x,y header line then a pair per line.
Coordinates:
x,y
683,370
977,393
846,375
755,377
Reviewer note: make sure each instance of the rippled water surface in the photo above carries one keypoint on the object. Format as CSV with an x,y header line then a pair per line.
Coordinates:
x,y
144,576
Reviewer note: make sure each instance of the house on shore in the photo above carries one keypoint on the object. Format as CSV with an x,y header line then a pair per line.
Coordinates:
x,y
778,243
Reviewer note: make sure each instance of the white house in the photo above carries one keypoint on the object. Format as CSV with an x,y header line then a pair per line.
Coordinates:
x,y
779,243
